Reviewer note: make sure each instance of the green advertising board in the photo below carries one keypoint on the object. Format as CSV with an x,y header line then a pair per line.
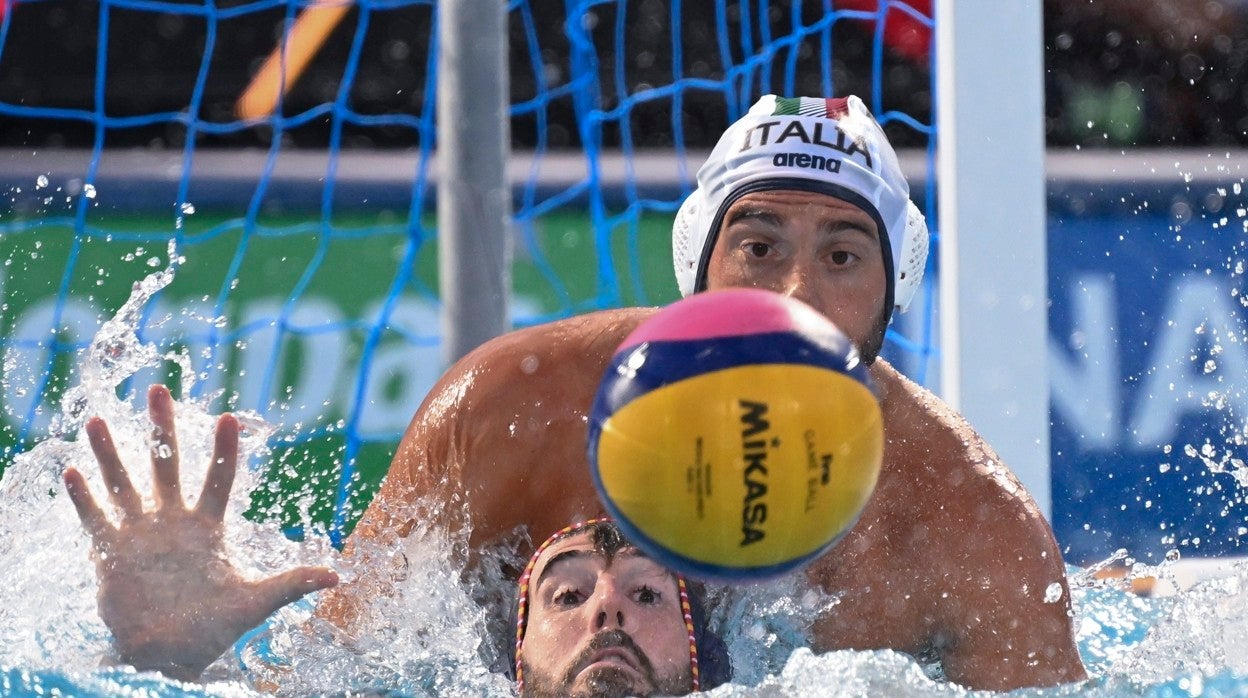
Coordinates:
x,y
277,318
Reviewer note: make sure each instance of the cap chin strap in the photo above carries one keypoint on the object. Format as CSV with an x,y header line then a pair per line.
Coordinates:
x,y
686,610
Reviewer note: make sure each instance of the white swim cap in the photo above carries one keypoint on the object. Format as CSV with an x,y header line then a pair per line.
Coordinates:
x,y
829,146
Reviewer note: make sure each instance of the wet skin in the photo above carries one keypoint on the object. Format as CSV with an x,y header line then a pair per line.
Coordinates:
x,y
597,622
817,249
950,555
168,592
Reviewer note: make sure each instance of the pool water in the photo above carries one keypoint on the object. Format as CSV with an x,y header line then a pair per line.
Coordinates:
x,y
1184,646
435,635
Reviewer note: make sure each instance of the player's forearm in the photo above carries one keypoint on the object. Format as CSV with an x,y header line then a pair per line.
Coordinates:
x,y
1010,633
1006,668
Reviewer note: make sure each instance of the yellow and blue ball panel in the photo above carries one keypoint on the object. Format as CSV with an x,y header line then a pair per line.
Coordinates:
x,y
738,456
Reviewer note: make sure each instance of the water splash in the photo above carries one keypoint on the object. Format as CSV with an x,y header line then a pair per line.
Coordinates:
x,y
1203,632
420,632
424,631
845,674
48,616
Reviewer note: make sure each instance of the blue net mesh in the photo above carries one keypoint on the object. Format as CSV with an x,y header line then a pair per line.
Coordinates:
x,y
308,290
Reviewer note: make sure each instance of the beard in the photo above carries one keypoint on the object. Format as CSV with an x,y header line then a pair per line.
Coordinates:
x,y
870,348
605,681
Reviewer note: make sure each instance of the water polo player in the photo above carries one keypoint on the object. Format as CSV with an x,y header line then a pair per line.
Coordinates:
x,y
595,617
803,197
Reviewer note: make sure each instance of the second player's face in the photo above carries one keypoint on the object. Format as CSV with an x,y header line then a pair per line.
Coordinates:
x,y
812,247
603,626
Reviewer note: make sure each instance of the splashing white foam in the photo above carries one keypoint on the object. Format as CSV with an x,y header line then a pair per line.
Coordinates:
x,y
423,631
420,629
48,616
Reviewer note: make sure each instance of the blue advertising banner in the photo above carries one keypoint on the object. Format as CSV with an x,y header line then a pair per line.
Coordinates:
x,y
1149,368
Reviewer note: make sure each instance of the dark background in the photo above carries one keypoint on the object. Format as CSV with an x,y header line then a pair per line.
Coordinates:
x,y
1118,72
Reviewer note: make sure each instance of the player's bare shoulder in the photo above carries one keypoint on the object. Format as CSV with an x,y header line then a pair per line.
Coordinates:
x,y
931,447
546,356
506,425
564,346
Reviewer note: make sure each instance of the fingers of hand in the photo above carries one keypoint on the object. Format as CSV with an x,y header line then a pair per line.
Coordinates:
x,y
275,592
167,486
92,517
120,490
220,477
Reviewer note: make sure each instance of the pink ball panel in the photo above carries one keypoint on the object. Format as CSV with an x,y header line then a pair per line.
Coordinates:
x,y
727,313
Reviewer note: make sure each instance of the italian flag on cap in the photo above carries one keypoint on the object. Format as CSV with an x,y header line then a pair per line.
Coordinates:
x,y
823,107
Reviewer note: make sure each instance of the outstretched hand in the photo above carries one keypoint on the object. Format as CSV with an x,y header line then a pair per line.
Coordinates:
x,y
168,593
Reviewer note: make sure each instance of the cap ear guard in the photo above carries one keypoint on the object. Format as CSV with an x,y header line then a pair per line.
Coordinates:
x,y
913,258
687,244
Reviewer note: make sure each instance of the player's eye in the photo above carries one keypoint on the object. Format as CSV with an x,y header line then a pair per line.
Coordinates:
x,y
841,257
648,596
567,597
757,249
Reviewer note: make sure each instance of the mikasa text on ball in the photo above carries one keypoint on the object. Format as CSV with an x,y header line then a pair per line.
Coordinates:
x,y
735,435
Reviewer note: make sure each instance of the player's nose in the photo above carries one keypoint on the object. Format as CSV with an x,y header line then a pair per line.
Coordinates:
x,y
608,607
800,281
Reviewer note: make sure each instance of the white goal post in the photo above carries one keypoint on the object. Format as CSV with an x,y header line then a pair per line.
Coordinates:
x,y
993,264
